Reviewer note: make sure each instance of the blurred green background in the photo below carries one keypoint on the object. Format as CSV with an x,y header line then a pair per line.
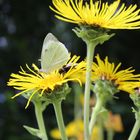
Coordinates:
x,y
23,27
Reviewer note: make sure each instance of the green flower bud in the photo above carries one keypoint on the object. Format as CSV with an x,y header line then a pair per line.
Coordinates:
x,y
104,90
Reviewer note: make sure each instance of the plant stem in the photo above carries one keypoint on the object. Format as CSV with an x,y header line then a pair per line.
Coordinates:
x,y
90,54
95,112
77,105
40,121
110,134
101,129
59,117
135,129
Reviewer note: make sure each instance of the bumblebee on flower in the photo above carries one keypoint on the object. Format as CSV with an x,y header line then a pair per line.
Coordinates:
x,y
40,82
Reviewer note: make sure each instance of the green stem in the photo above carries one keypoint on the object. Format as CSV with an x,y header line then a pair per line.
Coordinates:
x,y
40,121
59,117
77,105
101,129
90,54
135,129
94,114
110,134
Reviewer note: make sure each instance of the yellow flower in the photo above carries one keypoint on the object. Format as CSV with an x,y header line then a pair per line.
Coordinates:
x,y
98,14
122,79
114,122
75,129
39,82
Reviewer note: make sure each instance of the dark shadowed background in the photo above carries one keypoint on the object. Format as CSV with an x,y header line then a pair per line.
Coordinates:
x,y
23,27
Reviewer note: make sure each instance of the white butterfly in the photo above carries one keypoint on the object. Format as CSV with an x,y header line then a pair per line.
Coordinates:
x,y
54,54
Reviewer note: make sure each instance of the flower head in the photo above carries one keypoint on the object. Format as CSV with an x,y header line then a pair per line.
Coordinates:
x,y
114,122
136,99
123,80
75,129
37,82
98,14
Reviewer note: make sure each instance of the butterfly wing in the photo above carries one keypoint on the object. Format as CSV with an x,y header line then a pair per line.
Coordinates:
x,y
54,54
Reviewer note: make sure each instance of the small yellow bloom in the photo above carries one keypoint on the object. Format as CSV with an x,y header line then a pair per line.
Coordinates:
x,y
123,80
114,122
98,14
75,129
37,82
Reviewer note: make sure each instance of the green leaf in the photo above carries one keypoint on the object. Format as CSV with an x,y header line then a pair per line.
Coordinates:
x,y
33,131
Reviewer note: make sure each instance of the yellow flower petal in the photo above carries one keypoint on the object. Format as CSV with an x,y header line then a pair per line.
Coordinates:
x,y
122,79
111,16
75,129
39,82
114,122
